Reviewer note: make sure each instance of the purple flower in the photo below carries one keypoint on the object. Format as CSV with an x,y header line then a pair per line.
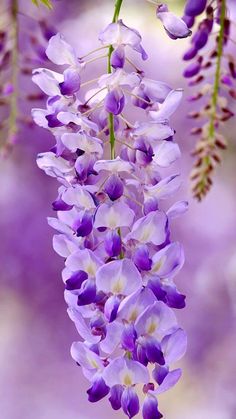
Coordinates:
x,y
119,35
195,7
174,25
112,228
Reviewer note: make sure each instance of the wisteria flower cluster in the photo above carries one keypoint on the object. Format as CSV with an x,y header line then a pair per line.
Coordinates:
x,y
209,51
112,222
15,63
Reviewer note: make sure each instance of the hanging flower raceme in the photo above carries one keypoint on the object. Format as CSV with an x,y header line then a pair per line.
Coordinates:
x,y
210,52
113,229
16,63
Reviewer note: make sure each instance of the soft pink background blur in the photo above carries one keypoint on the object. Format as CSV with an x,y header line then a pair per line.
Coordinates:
x,y
38,378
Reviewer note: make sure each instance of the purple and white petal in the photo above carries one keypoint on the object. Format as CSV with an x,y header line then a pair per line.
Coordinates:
x,y
150,229
163,189
174,25
84,260
114,215
168,261
168,107
125,372
166,153
174,346
119,277
114,166
55,166
157,320
82,141
169,381
60,52
48,81
134,305
177,209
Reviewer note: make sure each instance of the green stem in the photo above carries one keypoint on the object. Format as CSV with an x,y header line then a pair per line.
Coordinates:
x,y
216,86
14,79
118,5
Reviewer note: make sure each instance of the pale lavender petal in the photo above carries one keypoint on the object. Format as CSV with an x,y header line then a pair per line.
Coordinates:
x,y
54,166
133,305
163,189
156,321
166,153
177,209
47,80
82,141
169,106
174,346
85,357
168,261
82,326
169,381
112,339
125,372
60,52
153,130
84,260
114,166
118,277
63,246
114,215
174,25
150,229
78,196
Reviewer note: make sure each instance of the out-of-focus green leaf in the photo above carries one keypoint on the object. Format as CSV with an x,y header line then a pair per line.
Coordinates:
x,y
46,3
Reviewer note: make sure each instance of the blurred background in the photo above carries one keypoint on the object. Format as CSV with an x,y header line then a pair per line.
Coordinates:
x,y
38,378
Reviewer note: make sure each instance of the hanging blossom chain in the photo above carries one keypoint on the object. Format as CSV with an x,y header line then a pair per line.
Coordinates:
x,y
13,64
217,110
113,228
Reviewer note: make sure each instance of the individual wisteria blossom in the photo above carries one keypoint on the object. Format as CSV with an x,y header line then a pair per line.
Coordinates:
x,y
212,70
114,212
175,26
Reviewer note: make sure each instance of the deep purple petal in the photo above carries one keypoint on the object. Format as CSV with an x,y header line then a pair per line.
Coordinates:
x,y
159,373
76,280
173,297
200,38
71,83
112,243
53,122
111,308
114,101
141,258
128,337
150,408
60,205
150,205
118,57
154,352
88,293
189,20
115,396
130,402
192,70
114,187
195,7
86,225
98,390
190,54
